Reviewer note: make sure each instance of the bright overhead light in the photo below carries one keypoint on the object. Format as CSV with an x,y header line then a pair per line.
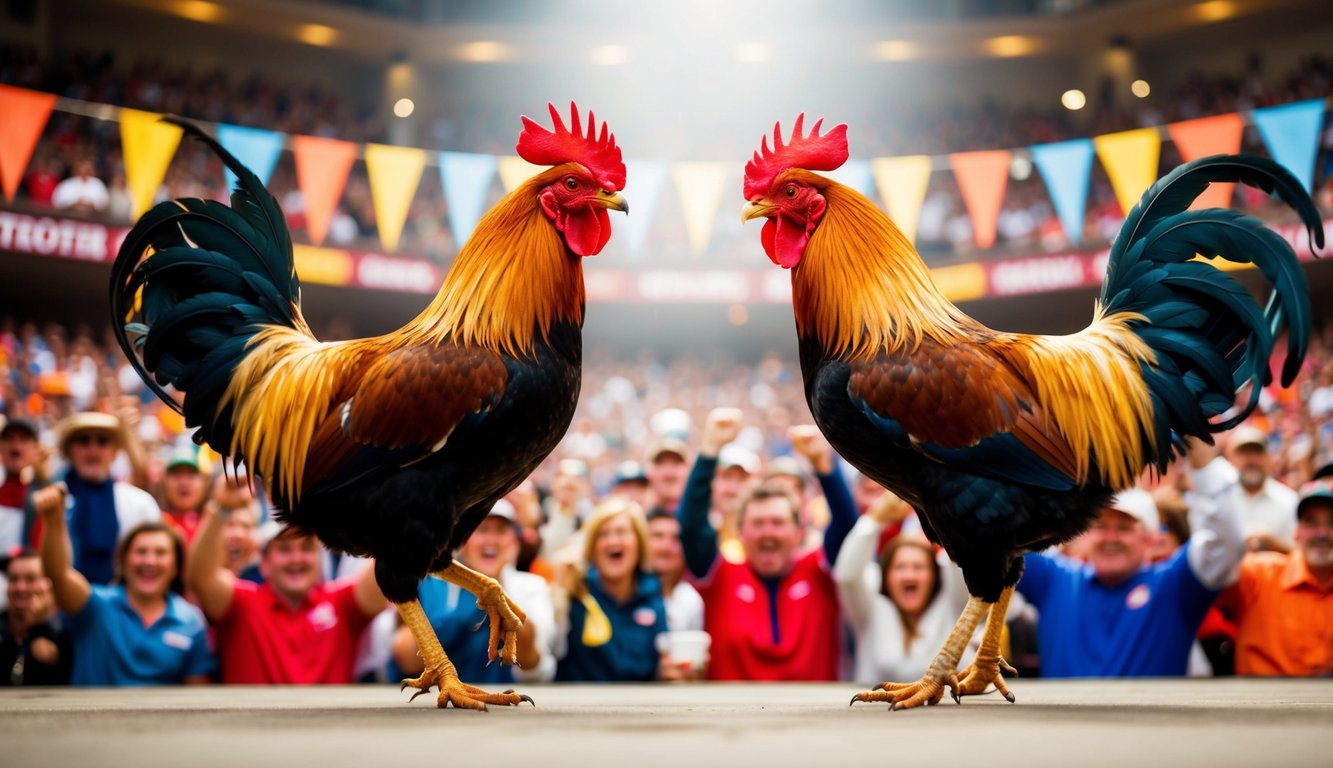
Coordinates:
x,y
1007,46
1215,10
1140,88
198,10
610,55
751,53
404,107
1073,99
317,34
894,50
483,50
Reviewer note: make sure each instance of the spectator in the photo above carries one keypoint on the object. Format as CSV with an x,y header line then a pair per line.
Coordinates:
x,y
20,462
100,509
685,609
35,648
902,608
666,469
83,191
491,550
292,629
630,482
569,503
611,609
1283,603
1267,507
184,489
775,616
139,630
1118,615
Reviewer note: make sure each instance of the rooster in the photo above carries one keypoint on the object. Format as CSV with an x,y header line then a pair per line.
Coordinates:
x,y
1009,443
394,447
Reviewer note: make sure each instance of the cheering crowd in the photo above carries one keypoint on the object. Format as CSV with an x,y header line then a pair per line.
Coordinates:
x,y
692,525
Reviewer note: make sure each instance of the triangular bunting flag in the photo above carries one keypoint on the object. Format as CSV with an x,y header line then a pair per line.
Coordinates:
x,y
982,177
515,170
855,174
643,186
1291,133
1066,168
147,145
700,189
465,179
257,150
902,182
23,115
394,175
322,166
1218,135
1130,158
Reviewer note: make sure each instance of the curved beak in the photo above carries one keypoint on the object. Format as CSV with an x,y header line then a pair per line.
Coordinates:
x,y
612,200
758,209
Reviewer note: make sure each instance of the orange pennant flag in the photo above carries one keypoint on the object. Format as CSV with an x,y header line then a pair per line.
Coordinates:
x,y
23,115
322,166
982,177
1130,159
1219,135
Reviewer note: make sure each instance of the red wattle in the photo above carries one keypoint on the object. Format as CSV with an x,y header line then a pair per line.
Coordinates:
x,y
788,242
766,236
586,229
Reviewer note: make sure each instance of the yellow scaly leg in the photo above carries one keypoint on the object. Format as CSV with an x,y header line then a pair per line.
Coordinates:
x,y
989,663
440,671
505,616
943,670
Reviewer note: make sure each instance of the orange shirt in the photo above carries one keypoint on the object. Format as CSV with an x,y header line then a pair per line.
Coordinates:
x,y
1284,617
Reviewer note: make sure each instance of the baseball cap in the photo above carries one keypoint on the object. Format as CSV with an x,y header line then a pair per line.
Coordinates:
x,y
183,457
629,472
273,530
1138,504
504,510
736,456
1313,492
1249,435
19,425
785,466
664,445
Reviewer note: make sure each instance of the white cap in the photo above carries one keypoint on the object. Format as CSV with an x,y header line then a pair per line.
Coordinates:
x,y
1138,504
733,455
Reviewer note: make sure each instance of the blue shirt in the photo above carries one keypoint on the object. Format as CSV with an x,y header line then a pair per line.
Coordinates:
x,y
1141,627
628,653
113,647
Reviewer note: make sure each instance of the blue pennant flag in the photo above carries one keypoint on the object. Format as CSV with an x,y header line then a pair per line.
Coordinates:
x,y
257,150
1291,132
643,187
1065,167
465,178
855,174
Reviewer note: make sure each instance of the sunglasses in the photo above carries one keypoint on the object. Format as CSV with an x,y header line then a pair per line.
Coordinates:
x,y
87,438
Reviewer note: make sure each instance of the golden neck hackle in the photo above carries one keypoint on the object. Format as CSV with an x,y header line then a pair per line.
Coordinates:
x,y
861,288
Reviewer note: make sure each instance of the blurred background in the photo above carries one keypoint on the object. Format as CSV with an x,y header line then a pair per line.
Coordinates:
x,y
1005,135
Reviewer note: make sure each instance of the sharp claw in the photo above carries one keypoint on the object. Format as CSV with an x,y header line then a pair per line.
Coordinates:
x,y
1010,696
418,693
522,697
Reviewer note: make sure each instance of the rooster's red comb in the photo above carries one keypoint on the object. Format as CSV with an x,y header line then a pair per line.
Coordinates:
x,y
599,154
811,152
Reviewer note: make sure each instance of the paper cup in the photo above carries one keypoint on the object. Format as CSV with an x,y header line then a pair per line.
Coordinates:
x,y
688,647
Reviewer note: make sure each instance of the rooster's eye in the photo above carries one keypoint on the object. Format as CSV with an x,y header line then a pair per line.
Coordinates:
x,y
791,190
571,184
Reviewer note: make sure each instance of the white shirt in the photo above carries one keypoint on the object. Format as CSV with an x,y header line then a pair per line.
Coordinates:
x,y
531,593
78,191
1271,510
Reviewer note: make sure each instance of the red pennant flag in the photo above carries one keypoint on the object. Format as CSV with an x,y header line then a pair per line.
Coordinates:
x,y
322,166
982,177
23,115
1206,136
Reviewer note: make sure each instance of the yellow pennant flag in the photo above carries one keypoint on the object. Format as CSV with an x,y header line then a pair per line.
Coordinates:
x,y
1130,158
700,189
515,170
394,174
148,145
902,182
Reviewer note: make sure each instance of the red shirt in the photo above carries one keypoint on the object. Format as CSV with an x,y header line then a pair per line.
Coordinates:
x,y
737,614
263,640
186,522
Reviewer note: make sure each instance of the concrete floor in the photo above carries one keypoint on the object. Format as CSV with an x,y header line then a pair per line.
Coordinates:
x,y
1069,724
